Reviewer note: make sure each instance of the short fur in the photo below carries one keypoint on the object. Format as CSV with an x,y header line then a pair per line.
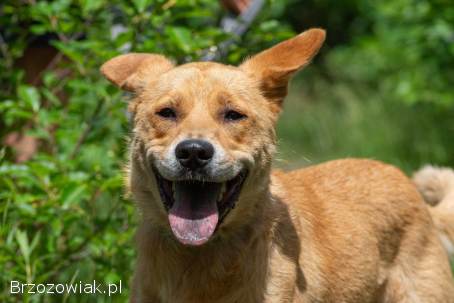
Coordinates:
x,y
343,231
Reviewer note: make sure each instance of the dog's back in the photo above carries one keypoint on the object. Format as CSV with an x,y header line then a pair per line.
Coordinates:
x,y
372,229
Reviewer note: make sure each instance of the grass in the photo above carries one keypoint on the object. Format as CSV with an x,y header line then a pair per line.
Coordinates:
x,y
323,121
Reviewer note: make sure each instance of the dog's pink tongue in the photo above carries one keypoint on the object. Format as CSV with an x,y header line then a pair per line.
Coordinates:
x,y
194,213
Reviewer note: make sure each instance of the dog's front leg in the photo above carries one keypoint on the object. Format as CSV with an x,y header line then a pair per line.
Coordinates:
x,y
141,292
139,296
282,278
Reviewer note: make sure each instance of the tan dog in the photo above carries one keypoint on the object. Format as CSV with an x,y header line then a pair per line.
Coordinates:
x,y
219,226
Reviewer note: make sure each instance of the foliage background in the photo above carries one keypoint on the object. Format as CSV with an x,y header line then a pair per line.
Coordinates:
x,y
381,88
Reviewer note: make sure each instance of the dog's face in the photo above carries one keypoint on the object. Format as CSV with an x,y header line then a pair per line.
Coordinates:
x,y
204,132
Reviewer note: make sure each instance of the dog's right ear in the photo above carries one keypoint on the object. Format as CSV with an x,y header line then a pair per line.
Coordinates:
x,y
274,67
132,71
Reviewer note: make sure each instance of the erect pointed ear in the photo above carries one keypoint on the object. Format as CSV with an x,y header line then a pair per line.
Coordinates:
x,y
131,71
274,66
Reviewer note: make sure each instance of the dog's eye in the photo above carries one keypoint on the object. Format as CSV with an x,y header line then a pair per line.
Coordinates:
x,y
233,115
167,113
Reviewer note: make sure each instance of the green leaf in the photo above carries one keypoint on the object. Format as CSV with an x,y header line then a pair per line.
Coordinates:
x,y
89,6
30,96
24,247
35,241
141,5
181,37
25,209
70,50
15,114
114,182
2,153
72,194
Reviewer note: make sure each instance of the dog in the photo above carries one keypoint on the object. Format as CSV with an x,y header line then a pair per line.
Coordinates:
x,y
219,225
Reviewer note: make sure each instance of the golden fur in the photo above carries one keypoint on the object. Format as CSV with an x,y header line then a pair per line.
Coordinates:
x,y
344,231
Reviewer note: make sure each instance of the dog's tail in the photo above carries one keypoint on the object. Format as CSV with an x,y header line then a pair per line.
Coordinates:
x,y
436,185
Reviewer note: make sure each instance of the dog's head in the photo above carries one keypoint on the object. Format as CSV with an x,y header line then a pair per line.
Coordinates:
x,y
204,132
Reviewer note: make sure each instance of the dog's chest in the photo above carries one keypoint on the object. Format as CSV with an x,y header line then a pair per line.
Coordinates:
x,y
249,280
211,283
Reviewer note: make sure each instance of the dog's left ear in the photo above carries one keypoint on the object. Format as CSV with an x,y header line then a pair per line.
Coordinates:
x,y
132,71
274,66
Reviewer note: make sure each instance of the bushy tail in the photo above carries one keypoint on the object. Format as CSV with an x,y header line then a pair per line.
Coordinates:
x,y
436,185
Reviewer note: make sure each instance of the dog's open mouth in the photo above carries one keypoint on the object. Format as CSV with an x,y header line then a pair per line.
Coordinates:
x,y
195,208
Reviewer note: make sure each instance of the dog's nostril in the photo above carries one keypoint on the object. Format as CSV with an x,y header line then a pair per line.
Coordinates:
x,y
193,153
205,154
182,154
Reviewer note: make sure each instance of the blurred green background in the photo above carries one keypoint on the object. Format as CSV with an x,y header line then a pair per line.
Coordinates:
x,y
382,88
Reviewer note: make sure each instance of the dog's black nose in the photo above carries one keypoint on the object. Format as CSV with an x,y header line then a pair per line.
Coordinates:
x,y
194,154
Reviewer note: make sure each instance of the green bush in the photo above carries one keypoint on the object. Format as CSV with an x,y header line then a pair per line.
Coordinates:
x,y
409,50
383,88
64,216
